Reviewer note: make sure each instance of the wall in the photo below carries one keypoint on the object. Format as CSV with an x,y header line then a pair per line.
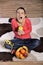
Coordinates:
x,y
33,7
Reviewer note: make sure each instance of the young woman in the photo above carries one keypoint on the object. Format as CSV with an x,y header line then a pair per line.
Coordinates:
x,y
22,28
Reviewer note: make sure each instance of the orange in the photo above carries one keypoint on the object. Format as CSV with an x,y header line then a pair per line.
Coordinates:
x,y
17,54
21,56
22,51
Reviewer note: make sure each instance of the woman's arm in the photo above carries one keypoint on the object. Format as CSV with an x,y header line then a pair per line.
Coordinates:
x,y
14,25
29,26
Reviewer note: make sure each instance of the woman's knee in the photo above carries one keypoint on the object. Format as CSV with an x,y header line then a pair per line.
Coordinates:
x,y
37,42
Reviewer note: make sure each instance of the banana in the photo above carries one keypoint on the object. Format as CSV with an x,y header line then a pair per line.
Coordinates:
x,y
9,42
25,48
22,47
19,49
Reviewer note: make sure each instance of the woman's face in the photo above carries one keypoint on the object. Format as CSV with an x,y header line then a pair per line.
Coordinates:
x,y
20,15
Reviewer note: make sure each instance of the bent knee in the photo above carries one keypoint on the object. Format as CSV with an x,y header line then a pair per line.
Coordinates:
x,y
37,42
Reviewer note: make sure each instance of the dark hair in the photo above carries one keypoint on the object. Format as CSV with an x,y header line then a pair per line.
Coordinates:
x,y
10,19
22,9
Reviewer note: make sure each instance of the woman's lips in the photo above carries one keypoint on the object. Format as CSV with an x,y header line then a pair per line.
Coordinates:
x,y
20,17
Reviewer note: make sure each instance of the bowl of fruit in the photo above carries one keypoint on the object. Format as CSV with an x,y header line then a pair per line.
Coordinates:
x,y
22,52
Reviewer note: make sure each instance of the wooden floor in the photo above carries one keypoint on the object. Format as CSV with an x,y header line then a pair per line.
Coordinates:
x,y
22,63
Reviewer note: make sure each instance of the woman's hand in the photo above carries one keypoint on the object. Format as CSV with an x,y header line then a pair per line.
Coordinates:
x,y
20,32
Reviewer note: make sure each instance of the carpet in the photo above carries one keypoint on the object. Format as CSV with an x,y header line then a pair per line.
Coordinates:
x,y
7,56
